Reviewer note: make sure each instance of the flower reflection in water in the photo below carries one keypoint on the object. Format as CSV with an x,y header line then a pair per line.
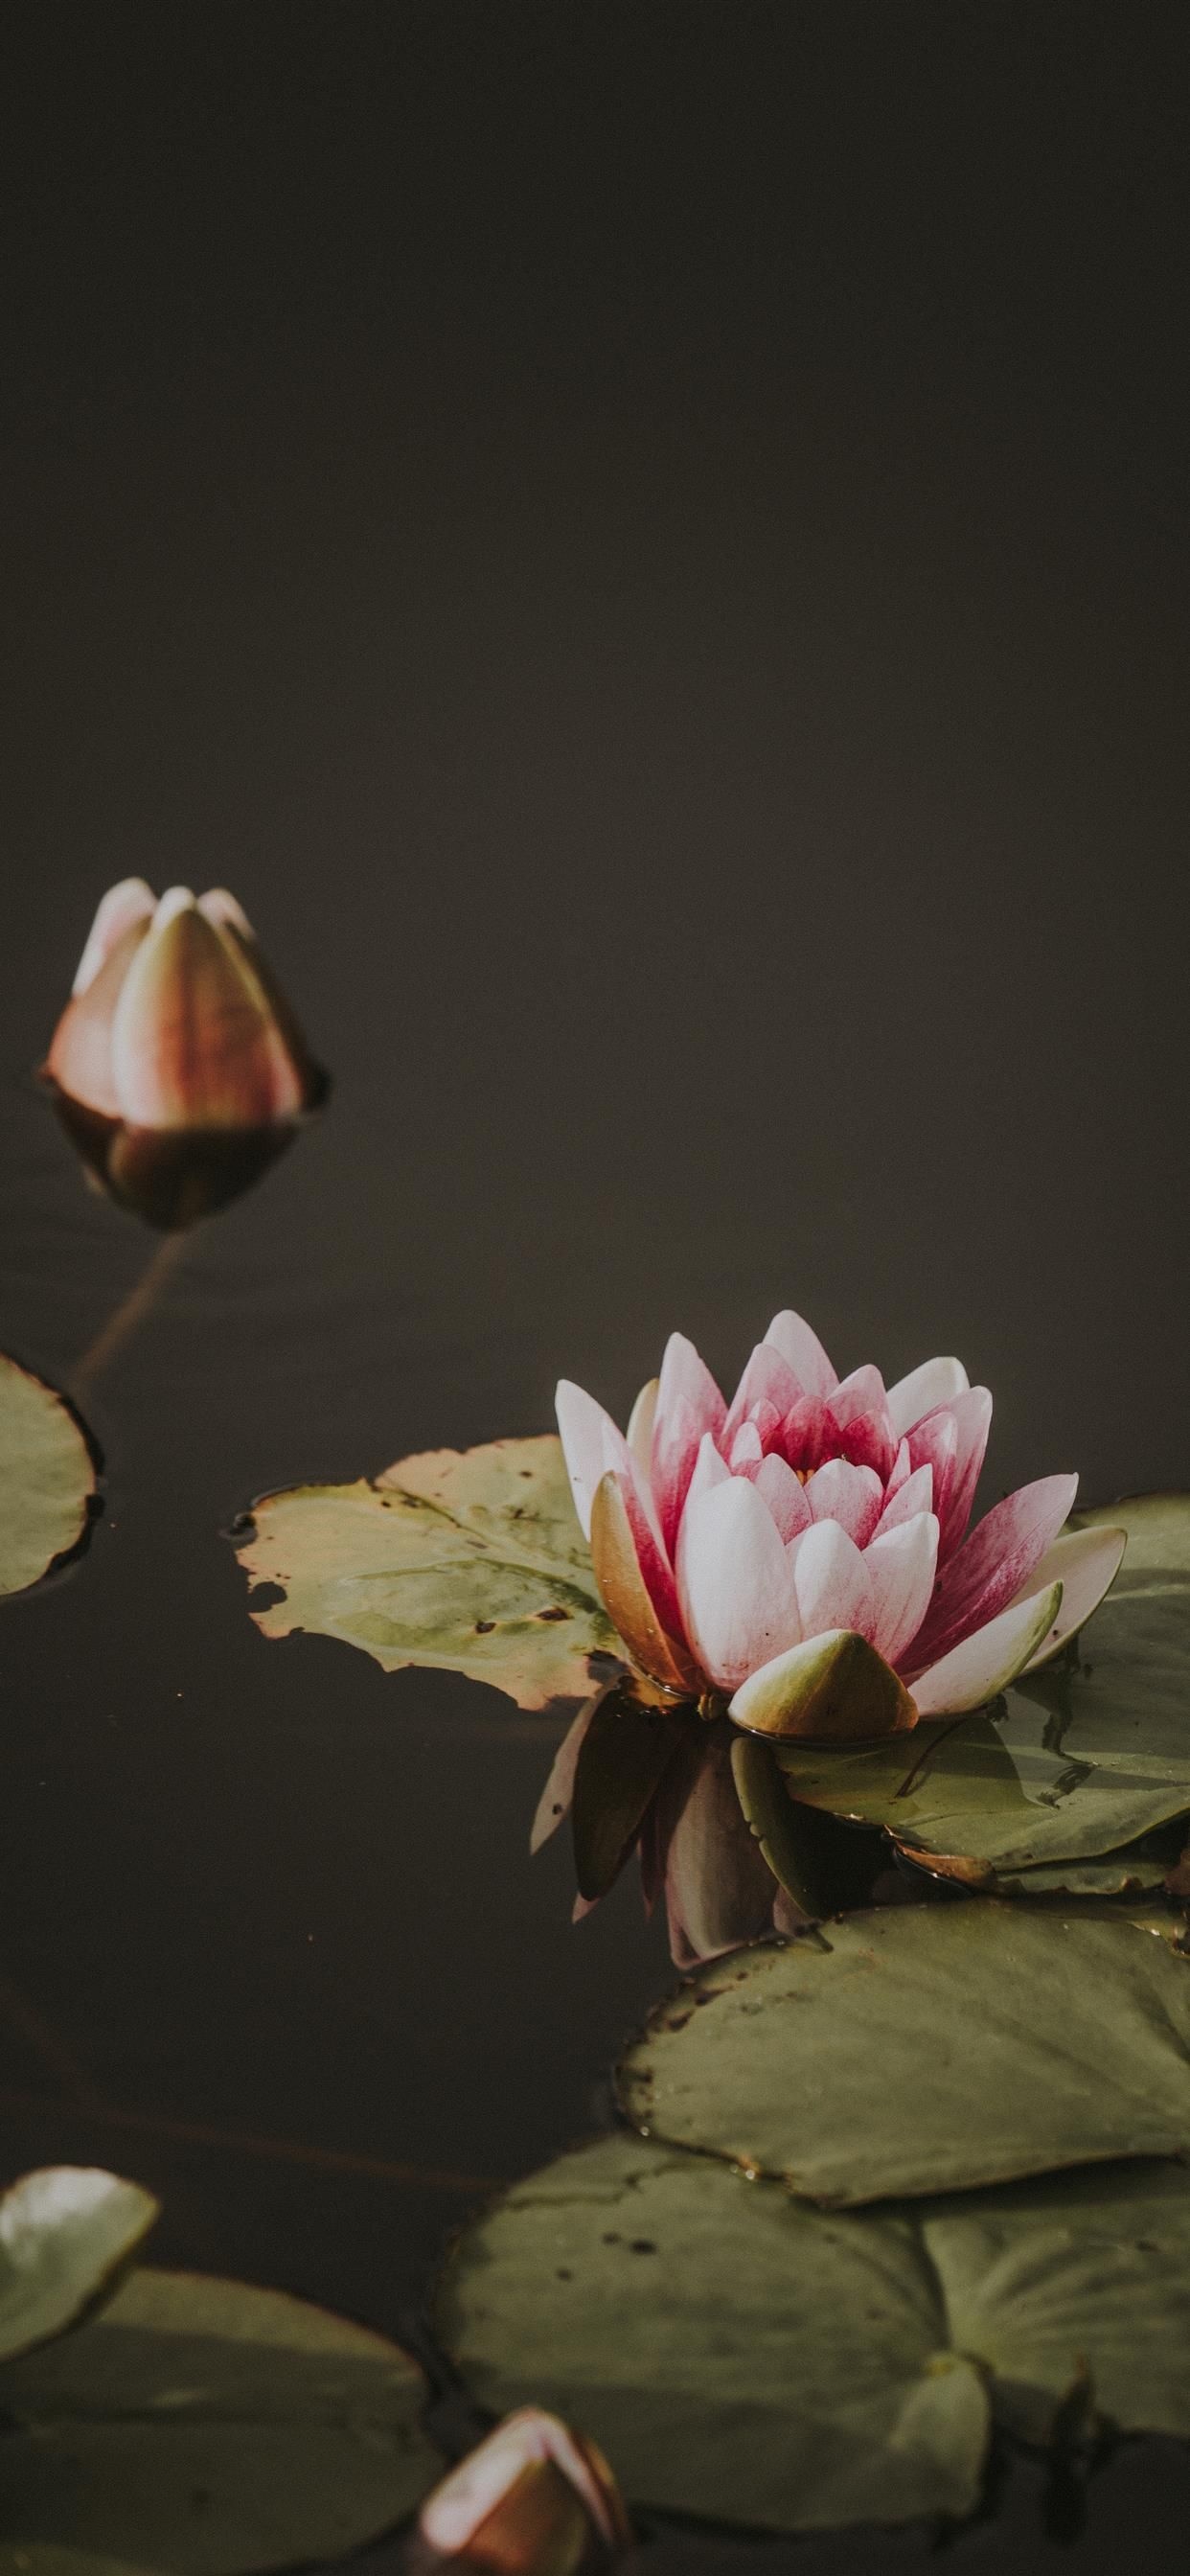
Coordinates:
x,y
664,1785
699,1854
177,1068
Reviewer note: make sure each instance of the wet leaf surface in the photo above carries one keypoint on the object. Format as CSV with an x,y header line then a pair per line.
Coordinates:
x,y
747,2357
200,2428
63,2232
472,1560
920,2048
1074,1761
48,1479
733,2352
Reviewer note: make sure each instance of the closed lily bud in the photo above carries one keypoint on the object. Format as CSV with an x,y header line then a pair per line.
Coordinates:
x,y
174,1020
177,1065
534,2499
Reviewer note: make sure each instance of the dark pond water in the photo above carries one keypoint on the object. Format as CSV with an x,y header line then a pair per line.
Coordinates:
x,y
673,645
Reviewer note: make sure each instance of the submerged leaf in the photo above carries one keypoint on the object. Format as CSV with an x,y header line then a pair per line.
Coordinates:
x,y
1073,1763
204,2428
63,2232
472,1560
921,2049
745,2356
46,1477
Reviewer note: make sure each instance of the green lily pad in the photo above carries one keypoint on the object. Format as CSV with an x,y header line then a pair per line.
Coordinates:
x,y
471,1560
48,1479
1081,2279
734,2353
1073,1762
63,2232
1134,1872
923,2049
744,2356
203,2428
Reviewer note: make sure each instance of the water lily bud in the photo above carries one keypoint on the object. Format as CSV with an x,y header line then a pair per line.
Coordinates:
x,y
534,2499
174,1021
178,1067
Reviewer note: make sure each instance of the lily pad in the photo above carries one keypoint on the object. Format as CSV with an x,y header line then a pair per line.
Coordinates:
x,y
744,2356
472,1560
63,2231
922,2049
203,2428
1073,1762
1079,2283
734,2353
1134,1872
47,1479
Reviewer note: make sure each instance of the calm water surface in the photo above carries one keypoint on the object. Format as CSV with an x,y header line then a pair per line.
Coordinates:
x,y
271,1940
657,571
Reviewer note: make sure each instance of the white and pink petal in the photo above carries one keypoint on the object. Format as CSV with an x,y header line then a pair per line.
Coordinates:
x,y
591,1443
993,1566
688,1405
785,1494
767,1379
923,1390
802,1351
852,1496
914,1495
901,1567
831,1580
1085,1563
736,1589
986,1662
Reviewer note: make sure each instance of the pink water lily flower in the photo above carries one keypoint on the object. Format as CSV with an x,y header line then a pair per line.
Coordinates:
x,y
803,1552
175,1021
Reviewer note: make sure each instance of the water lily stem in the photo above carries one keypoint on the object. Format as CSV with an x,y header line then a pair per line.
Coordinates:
x,y
130,1314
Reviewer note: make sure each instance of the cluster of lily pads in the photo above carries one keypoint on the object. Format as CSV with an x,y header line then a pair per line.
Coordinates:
x,y
158,2419
909,2174
894,2172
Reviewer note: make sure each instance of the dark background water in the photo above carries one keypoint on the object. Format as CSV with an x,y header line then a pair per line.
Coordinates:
x,y
648,543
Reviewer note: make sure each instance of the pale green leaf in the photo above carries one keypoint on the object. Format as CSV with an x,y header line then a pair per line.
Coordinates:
x,y
471,1560
46,1477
